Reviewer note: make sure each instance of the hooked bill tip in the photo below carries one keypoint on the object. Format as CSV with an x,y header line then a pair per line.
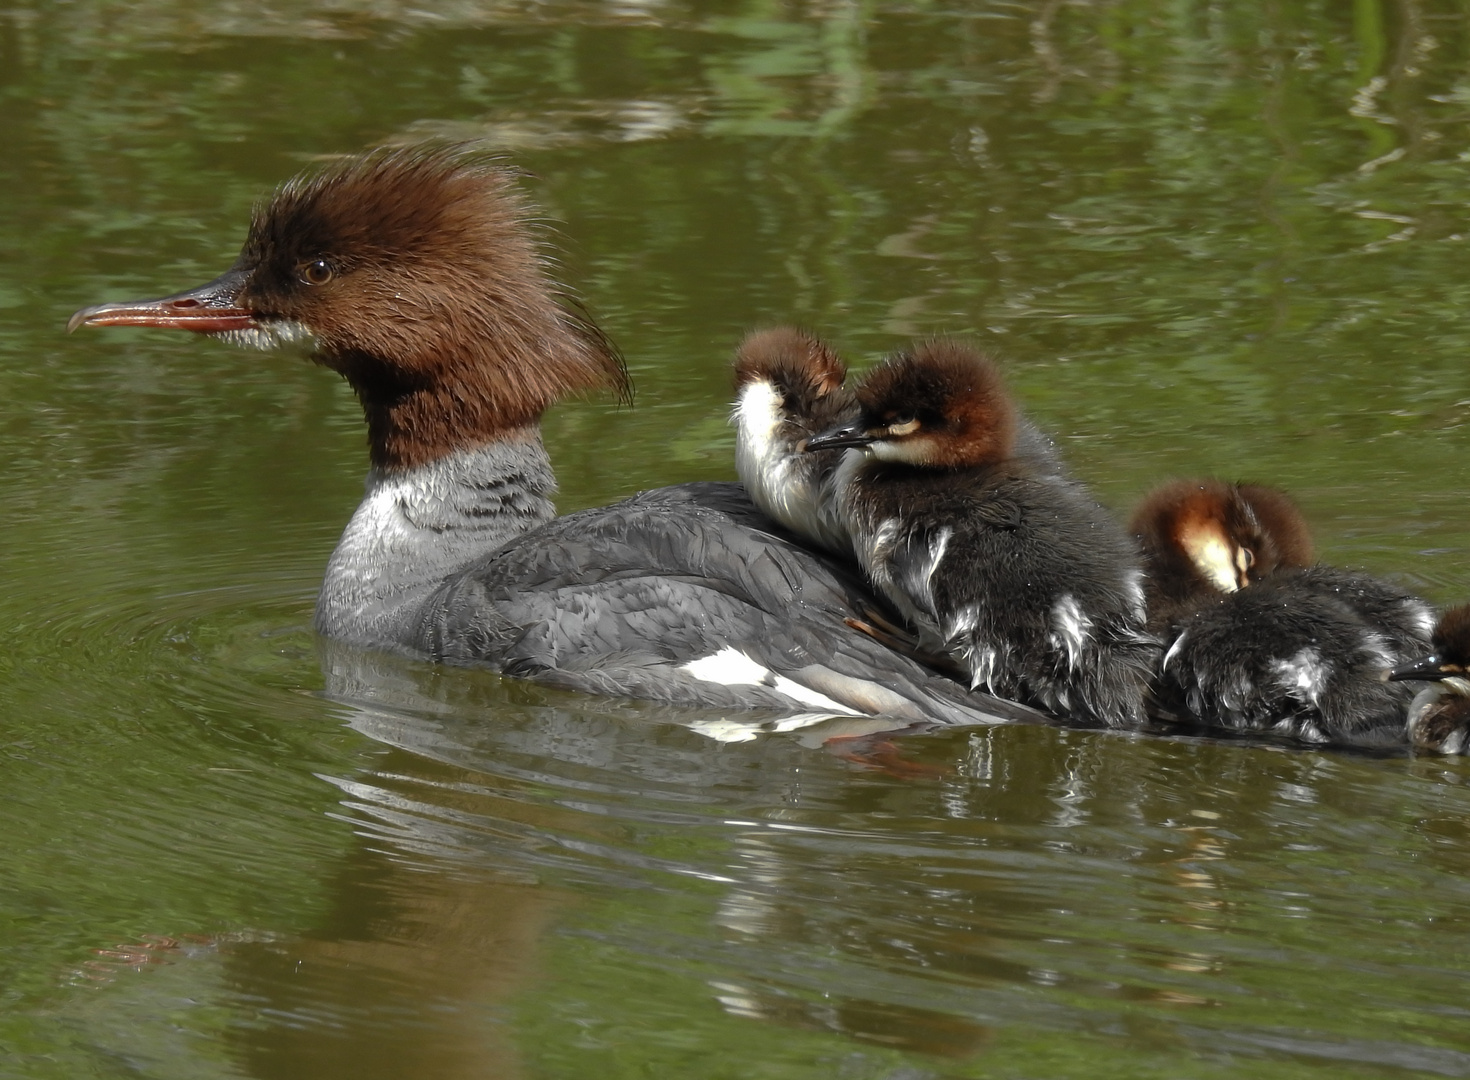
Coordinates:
x,y
84,316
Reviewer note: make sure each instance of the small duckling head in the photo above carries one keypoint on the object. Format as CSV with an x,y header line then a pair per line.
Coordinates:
x,y
1208,536
1450,661
941,405
788,374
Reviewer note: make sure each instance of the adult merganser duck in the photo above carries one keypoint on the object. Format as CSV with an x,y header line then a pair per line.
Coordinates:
x,y
1258,638
1439,715
789,387
1005,566
413,274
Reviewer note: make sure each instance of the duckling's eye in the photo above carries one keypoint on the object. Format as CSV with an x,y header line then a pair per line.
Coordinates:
x,y
1245,558
901,425
316,273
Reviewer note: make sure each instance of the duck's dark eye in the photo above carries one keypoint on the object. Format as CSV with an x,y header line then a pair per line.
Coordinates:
x,y
316,273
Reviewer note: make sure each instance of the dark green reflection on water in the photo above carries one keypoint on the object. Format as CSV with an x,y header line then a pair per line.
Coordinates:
x,y
1207,237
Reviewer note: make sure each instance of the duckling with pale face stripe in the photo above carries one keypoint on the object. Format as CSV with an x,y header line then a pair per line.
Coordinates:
x,y
998,561
1202,539
1259,639
1439,715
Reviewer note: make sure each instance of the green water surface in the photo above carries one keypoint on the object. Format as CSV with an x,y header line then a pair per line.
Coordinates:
x,y
1228,237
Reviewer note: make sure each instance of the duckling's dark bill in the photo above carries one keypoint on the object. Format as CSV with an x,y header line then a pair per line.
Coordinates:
x,y
1427,669
839,438
210,309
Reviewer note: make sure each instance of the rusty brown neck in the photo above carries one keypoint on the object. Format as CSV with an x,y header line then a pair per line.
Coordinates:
x,y
412,422
423,425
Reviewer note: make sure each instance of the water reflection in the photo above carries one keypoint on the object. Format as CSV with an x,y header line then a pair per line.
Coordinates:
x,y
1208,238
912,912
411,973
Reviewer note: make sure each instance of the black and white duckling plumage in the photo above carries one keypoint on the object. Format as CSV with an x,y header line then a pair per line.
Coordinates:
x,y
999,562
1258,638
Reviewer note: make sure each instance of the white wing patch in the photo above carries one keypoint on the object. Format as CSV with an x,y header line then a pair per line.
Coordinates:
x,y
728,667
1304,674
1071,629
917,580
961,624
731,667
875,555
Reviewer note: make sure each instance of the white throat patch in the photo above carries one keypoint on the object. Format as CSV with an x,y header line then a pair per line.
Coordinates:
x,y
272,334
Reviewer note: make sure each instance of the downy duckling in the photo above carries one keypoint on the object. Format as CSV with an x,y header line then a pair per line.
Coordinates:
x,y
1202,539
1007,567
1439,715
1258,639
789,387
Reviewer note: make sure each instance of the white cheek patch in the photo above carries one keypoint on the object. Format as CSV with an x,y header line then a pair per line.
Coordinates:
x,y
911,451
1212,556
757,415
762,461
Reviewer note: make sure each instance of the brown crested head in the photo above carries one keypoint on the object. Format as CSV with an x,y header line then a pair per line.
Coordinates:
x,y
792,360
940,404
417,275
803,370
1209,536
